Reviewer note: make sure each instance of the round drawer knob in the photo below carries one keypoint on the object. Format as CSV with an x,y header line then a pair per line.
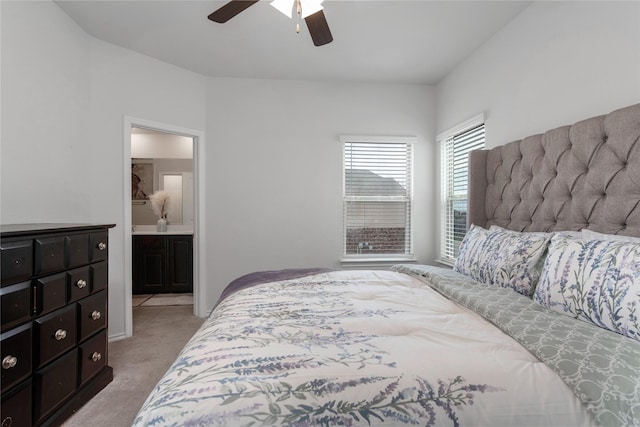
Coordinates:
x,y
81,283
96,315
9,362
102,246
96,356
60,334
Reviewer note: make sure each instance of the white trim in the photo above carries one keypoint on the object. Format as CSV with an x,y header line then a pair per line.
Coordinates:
x,y
462,127
199,271
389,139
446,142
384,259
117,337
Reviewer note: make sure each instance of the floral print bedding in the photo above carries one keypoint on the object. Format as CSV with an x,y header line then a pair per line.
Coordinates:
x,y
595,281
355,348
502,257
601,367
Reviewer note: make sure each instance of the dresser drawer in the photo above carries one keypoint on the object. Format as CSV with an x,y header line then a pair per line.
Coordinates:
x,y
78,280
15,348
49,255
77,250
99,276
93,356
53,308
55,383
93,314
16,407
54,334
16,261
51,293
99,246
15,305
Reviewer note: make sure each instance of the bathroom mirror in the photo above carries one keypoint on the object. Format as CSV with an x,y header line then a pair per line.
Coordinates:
x,y
161,161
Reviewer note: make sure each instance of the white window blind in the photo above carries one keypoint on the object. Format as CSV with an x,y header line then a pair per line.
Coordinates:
x,y
377,197
455,175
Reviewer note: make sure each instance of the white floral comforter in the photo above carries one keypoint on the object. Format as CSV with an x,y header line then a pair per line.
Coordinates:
x,y
356,349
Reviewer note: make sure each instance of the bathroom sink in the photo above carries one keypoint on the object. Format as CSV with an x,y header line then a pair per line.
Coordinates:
x,y
171,229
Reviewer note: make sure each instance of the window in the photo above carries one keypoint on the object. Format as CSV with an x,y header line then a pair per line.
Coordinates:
x,y
377,197
455,147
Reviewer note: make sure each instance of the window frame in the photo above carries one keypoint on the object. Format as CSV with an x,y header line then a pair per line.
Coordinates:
x,y
373,260
444,222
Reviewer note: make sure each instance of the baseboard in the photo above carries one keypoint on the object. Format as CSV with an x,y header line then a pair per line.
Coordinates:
x,y
117,337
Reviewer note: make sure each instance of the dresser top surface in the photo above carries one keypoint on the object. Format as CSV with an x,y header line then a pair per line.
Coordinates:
x,y
11,230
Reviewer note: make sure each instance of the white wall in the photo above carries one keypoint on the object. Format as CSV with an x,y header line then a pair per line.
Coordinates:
x,y
274,171
124,83
45,110
273,160
64,98
554,64
161,146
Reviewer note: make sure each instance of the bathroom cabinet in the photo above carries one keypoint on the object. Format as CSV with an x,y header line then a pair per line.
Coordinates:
x,y
162,264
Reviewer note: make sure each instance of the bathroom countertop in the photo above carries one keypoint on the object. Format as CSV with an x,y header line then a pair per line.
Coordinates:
x,y
172,229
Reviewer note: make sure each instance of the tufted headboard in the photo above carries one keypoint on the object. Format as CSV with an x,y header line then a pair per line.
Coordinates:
x,y
586,175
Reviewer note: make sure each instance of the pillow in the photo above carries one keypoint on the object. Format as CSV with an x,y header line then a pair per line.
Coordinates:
x,y
540,263
597,281
594,235
470,247
502,257
569,234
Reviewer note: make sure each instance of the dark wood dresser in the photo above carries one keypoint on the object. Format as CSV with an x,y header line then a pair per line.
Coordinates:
x,y
54,320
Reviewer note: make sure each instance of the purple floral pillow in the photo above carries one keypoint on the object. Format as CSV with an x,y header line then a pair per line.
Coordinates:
x,y
597,281
502,257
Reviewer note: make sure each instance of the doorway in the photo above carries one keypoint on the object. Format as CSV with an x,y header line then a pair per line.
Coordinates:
x,y
162,270
169,159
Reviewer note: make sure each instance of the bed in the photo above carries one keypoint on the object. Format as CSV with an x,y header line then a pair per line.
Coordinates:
x,y
537,324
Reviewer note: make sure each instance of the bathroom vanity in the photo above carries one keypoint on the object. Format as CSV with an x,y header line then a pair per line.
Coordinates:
x,y
162,261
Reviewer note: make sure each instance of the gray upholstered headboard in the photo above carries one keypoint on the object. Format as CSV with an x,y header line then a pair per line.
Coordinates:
x,y
586,175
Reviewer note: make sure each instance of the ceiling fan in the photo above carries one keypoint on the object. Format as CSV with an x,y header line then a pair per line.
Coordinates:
x,y
309,10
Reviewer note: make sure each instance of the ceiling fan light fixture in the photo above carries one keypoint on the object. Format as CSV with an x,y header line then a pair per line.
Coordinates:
x,y
309,7
284,6
309,10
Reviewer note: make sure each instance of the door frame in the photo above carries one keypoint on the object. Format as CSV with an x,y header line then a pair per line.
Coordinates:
x,y
199,272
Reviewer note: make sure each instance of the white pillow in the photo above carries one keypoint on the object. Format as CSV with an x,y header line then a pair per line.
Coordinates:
x,y
569,234
502,257
597,281
594,235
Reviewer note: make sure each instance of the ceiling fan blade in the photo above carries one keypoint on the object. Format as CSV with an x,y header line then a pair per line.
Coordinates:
x,y
230,10
318,28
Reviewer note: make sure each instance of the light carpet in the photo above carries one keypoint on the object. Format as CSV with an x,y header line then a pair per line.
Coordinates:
x,y
159,333
161,299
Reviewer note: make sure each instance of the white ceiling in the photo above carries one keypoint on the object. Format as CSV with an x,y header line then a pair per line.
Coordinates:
x,y
413,42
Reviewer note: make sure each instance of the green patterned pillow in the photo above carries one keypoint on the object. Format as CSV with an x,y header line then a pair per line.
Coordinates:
x,y
596,281
502,257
